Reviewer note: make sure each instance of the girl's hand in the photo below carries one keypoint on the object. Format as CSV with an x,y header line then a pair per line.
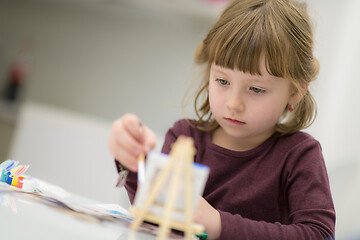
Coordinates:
x,y
209,217
128,138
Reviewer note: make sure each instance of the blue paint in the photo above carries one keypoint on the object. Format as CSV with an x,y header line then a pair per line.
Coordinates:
x,y
9,178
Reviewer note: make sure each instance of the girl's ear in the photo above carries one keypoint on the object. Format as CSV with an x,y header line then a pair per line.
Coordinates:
x,y
298,94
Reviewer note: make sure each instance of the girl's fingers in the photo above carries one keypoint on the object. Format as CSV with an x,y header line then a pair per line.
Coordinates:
x,y
122,154
141,133
128,139
128,142
150,140
123,146
127,159
134,127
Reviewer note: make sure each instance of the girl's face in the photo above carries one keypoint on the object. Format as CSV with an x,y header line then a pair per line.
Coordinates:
x,y
247,107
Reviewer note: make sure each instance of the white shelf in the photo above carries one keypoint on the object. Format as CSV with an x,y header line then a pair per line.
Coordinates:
x,y
8,112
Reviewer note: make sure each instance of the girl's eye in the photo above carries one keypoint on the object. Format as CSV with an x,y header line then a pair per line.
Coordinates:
x,y
257,90
222,81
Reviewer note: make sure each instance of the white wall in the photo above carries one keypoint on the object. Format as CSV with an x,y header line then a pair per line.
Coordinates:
x,y
104,61
336,89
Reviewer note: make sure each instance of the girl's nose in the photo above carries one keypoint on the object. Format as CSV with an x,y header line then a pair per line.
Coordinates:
x,y
235,103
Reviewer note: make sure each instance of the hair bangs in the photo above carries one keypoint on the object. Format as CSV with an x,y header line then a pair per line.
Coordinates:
x,y
246,41
238,47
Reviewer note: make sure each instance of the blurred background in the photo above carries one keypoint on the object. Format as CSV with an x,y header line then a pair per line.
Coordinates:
x,y
69,68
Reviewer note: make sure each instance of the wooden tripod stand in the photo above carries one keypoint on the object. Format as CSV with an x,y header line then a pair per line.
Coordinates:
x,y
179,170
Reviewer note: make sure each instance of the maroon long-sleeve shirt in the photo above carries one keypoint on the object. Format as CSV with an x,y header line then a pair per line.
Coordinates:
x,y
278,190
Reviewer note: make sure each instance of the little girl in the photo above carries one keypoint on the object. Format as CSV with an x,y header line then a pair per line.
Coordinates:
x,y
267,179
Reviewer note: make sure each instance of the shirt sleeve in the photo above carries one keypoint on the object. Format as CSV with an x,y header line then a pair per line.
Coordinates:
x,y
131,186
130,183
306,188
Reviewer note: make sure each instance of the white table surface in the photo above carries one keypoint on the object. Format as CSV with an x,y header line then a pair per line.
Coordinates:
x,y
23,217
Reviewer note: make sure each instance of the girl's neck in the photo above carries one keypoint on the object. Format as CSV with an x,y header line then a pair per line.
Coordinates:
x,y
220,138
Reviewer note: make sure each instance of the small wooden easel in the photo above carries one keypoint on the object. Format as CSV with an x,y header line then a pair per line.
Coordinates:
x,y
179,166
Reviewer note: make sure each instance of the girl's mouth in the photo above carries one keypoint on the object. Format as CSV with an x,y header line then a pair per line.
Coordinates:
x,y
234,121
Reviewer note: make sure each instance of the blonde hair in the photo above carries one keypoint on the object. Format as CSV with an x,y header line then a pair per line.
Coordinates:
x,y
249,29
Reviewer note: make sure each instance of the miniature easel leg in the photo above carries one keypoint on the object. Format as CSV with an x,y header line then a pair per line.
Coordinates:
x,y
188,201
171,199
184,159
159,182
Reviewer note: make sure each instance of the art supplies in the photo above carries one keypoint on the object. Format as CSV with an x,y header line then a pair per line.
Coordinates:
x,y
11,173
4,164
12,182
171,189
141,169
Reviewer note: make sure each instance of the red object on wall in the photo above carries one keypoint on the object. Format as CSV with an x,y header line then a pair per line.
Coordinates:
x,y
15,81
